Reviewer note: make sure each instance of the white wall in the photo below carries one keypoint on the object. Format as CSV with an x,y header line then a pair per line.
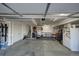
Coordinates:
x,y
16,31
9,39
25,29
66,35
47,28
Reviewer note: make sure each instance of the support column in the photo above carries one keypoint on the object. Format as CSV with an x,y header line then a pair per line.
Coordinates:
x,y
31,32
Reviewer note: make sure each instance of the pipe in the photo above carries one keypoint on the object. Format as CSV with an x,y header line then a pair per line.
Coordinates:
x,y
73,14
11,9
48,5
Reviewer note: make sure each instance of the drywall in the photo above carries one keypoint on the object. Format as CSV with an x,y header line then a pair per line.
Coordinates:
x,y
69,20
66,35
25,29
9,38
47,28
16,31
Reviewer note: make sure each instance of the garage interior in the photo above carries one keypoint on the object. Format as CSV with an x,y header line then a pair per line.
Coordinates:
x,y
39,29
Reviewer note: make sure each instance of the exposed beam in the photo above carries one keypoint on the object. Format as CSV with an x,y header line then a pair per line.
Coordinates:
x,y
73,14
34,21
26,16
69,20
23,14
11,9
74,17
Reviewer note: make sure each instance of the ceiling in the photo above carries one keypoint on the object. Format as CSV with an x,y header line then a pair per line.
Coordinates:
x,y
24,8
56,12
39,8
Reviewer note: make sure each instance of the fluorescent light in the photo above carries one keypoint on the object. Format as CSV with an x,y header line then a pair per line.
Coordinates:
x,y
63,14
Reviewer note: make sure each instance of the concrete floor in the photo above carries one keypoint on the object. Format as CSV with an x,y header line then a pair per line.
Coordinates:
x,y
38,48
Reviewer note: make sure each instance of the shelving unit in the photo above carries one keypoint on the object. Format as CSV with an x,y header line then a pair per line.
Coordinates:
x,y
3,35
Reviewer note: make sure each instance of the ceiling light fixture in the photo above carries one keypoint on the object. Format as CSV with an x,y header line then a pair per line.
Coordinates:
x,y
63,14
